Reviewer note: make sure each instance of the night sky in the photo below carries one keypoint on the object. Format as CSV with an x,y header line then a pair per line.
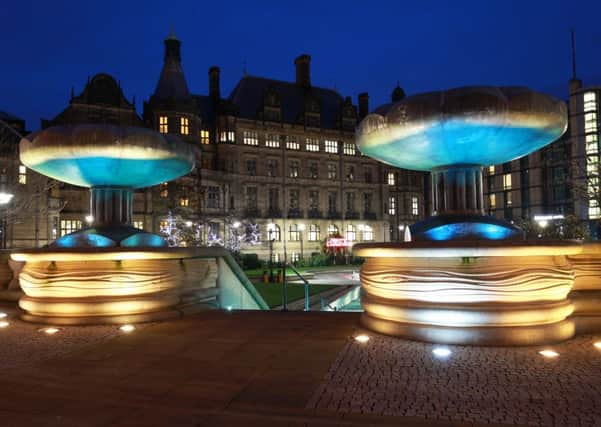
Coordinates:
x,y
356,46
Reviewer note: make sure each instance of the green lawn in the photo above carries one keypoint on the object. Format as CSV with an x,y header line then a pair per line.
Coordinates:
x,y
272,292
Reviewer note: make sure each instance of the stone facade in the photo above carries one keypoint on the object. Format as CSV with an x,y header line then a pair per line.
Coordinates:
x,y
274,153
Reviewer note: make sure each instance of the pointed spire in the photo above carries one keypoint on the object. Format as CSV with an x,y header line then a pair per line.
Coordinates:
x,y
172,82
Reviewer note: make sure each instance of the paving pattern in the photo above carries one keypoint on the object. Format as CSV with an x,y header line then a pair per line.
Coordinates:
x,y
513,386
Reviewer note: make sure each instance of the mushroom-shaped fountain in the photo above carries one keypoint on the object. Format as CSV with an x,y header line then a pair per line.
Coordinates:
x,y
466,278
110,272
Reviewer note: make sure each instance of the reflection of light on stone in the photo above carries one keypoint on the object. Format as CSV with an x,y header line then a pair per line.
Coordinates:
x,y
441,352
548,353
4,324
598,345
362,338
50,331
127,328
3,315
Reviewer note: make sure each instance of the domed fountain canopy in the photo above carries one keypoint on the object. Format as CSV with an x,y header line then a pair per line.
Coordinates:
x,y
472,125
94,155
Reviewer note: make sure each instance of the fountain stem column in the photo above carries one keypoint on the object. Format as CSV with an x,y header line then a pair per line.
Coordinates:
x,y
111,206
457,190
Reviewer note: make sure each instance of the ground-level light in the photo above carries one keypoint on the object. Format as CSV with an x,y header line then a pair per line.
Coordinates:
x,y
441,352
127,328
4,324
50,330
548,353
598,345
362,338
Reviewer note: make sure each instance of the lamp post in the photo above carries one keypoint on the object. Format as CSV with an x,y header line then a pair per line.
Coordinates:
x,y
301,229
5,198
270,227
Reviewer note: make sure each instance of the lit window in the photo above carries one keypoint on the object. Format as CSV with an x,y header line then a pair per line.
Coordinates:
x,y
227,136
292,143
351,232
592,143
491,169
69,226
250,138
164,190
22,174
312,144
184,126
590,122
272,140
163,124
493,201
294,256
507,181
414,206
332,230
590,101
294,233
332,171
349,149
391,178
368,233
184,201
331,146
205,137
391,205
139,225
508,200
273,232
163,225
594,211
314,232
293,168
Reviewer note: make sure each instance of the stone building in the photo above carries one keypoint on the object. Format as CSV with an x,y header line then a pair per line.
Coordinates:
x,y
276,154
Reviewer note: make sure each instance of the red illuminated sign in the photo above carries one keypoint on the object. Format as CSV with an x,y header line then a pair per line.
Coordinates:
x,y
338,242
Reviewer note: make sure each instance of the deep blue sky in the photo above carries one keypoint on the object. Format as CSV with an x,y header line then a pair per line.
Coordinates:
x,y
49,46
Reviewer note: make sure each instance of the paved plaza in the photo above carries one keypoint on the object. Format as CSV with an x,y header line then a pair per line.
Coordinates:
x,y
283,369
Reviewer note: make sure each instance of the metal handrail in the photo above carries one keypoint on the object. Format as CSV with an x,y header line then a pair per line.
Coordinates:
x,y
305,282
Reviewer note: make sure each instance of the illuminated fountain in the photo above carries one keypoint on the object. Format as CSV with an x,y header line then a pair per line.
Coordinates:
x,y
111,272
466,278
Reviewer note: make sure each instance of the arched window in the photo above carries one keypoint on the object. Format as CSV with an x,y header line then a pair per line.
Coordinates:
x,y
368,233
332,230
273,232
351,232
314,232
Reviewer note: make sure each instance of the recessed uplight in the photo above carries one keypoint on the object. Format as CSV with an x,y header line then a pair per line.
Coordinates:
x,y
50,330
441,352
362,338
598,345
3,315
548,353
127,328
4,324
229,308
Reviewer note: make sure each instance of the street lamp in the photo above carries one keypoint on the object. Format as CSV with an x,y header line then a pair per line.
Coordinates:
x,y
301,229
270,230
5,198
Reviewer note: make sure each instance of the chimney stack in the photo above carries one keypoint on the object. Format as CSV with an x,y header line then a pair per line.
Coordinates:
x,y
303,70
214,90
363,105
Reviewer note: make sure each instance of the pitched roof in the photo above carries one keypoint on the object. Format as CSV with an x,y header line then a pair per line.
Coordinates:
x,y
172,82
248,97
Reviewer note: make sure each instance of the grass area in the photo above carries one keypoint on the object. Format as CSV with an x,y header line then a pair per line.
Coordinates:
x,y
257,272
272,292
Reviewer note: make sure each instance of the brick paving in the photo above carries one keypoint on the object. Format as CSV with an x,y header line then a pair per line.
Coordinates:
x,y
513,386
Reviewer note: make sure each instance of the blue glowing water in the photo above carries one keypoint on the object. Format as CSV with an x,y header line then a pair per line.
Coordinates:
x,y
449,142
99,171
144,239
78,240
477,230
